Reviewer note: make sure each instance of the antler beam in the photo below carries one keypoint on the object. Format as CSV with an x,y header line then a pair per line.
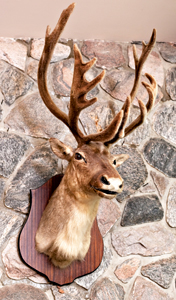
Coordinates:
x,y
80,88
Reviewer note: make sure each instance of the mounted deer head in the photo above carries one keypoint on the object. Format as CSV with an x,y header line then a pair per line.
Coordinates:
x,y
64,229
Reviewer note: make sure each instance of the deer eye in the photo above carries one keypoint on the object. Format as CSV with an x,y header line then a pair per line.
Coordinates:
x,y
78,156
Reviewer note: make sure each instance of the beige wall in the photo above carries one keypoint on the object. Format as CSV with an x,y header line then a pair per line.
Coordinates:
x,y
123,20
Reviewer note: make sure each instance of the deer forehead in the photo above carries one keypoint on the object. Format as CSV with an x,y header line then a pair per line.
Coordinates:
x,y
94,148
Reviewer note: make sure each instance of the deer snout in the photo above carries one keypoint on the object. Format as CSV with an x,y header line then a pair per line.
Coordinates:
x,y
112,184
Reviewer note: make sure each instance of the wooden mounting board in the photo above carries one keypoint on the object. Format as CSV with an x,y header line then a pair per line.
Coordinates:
x,y
41,262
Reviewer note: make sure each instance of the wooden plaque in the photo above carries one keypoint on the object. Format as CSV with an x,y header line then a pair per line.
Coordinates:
x,y
41,262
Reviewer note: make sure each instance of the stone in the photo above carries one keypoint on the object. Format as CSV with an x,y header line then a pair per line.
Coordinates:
x,y
21,291
60,52
97,117
62,76
171,207
133,171
32,117
164,121
13,83
171,82
13,52
161,155
39,167
140,133
87,280
10,224
2,185
119,83
12,149
1,112
105,289
148,188
153,64
161,271
126,270
167,51
32,69
109,54
142,209
144,290
147,240
108,213
69,293
15,268
160,181
50,295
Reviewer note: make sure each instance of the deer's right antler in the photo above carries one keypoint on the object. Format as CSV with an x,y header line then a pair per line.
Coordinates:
x,y
80,88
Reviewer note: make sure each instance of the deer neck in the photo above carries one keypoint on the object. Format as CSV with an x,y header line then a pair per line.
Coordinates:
x,y
83,198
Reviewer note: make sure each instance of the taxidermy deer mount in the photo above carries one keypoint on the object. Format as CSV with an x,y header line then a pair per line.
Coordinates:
x,y
65,226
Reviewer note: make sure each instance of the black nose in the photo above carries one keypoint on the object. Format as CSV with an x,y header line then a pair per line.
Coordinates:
x,y
104,180
121,186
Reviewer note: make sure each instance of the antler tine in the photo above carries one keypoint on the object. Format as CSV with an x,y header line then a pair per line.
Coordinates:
x,y
139,62
50,42
80,88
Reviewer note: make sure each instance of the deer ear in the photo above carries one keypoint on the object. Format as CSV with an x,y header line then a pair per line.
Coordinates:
x,y
120,159
60,149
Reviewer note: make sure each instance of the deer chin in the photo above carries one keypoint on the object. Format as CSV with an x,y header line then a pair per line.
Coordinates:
x,y
105,193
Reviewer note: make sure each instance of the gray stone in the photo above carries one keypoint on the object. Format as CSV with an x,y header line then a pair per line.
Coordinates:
x,y
119,83
144,290
12,149
40,166
133,171
168,51
13,52
171,207
153,64
87,280
2,185
147,240
171,82
32,69
108,213
105,289
140,133
60,52
161,182
13,83
126,270
142,209
32,117
164,121
62,76
161,271
15,268
10,224
108,53
161,155
20,292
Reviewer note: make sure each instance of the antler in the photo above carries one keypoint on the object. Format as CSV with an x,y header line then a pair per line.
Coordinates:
x,y
80,88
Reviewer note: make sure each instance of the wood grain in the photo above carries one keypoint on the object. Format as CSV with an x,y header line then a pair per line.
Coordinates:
x,y
40,262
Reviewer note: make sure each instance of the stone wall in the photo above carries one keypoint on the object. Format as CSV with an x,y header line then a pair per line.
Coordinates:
x,y
139,227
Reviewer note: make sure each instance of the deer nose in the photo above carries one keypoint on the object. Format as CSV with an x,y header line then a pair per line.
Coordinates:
x,y
104,180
